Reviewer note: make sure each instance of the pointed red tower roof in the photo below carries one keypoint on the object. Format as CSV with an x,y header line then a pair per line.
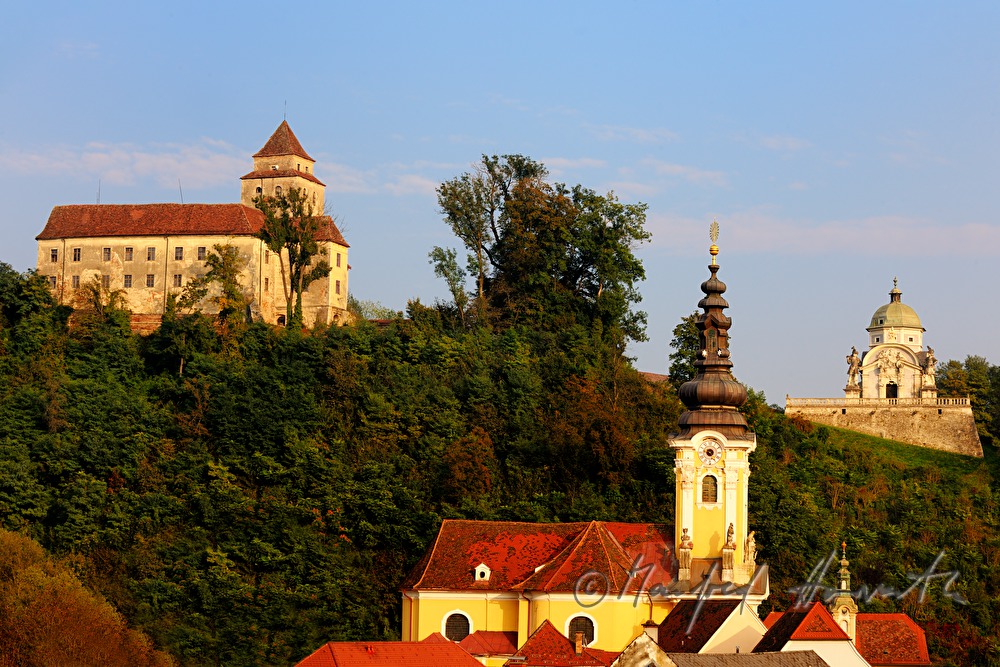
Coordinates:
x,y
283,142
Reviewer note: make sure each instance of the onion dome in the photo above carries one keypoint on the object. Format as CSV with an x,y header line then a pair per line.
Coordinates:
x,y
895,313
713,396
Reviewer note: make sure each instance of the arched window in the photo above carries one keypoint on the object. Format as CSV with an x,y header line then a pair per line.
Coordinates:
x,y
709,489
584,625
277,189
456,627
259,190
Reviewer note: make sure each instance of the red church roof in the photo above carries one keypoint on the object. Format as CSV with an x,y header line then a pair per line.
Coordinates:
x,y
542,556
370,654
547,647
283,142
100,220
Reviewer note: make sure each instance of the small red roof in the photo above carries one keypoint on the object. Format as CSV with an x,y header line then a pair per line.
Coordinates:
x,y
812,624
97,220
709,615
369,654
548,647
283,142
542,556
280,173
891,639
490,643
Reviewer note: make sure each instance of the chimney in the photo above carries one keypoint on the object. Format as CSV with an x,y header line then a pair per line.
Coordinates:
x,y
579,643
652,630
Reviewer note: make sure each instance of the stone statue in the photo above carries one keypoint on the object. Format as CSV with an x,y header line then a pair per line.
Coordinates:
x,y
731,537
854,363
750,554
684,551
930,364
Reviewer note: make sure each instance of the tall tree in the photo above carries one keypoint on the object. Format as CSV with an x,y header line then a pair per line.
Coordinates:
x,y
686,344
546,253
290,225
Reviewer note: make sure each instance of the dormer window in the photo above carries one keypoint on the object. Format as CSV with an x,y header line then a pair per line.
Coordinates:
x,y
482,572
274,167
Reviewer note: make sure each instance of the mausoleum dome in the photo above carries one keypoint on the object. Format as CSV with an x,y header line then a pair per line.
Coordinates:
x,y
895,314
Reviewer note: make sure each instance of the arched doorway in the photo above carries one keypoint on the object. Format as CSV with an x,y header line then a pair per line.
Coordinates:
x,y
892,390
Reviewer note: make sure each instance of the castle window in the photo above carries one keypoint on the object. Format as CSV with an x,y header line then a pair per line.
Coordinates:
x,y
876,339
581,624
54,255
911,339
75,281
128,254
338,259
709,489
259,190
76,254
201,253
178,280
106,254
150,254
127,280
267,256
298,166
150,280
52,282
106,281
338,287
178,253
277,190
457,627
267,284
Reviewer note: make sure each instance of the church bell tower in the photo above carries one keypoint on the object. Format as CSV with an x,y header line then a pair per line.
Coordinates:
x,y
711,453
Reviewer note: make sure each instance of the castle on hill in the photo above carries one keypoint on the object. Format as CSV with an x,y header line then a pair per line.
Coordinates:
x,y
150,251
891,390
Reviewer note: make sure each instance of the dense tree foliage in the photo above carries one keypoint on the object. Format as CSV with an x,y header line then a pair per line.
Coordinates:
x,y
243,494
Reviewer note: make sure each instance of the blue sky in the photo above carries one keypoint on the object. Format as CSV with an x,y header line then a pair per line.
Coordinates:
x,y
837,144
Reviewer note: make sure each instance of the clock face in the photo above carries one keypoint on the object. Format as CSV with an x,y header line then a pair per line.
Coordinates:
x,y
710,451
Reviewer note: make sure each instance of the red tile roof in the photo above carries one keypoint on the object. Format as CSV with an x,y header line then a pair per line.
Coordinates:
x,y
280,173
99,220
812,624
282,142
490,643
369,654
672,633
891,639
548,647
539,556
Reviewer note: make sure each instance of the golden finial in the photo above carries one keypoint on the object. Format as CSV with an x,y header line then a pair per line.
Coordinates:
x,y
713,233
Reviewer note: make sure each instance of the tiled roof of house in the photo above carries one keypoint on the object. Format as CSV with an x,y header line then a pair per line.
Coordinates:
x,y
789,659
709,616
548,647
280,173
891,639
283,142
541,556
884,639
370,654
109,220
812,624
490,643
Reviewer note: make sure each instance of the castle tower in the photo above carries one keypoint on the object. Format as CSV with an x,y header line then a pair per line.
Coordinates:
x,y
711,452
280,165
